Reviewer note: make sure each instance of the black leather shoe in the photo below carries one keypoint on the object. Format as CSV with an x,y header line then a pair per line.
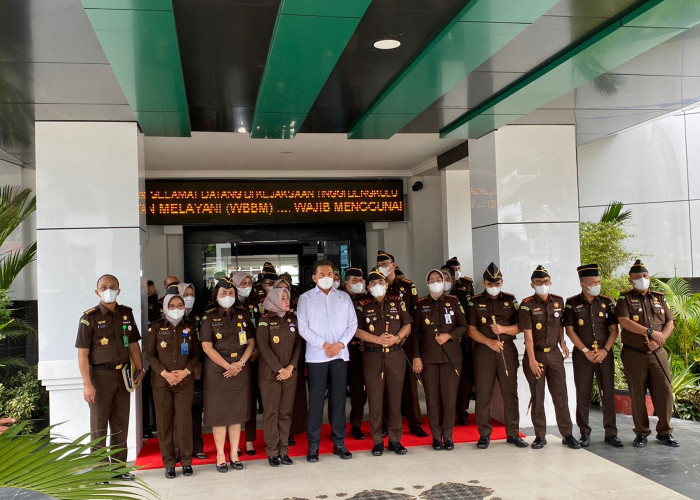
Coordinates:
x,y
357,433
237,465
585,440
125,477
285,460
571,442
668,440
273,461
419,432
378,449
397,448
222,467
187,470
640,441
250,452
292,441
437,444
342,452
170,473
614,441
517,441
538,443
448,444
312,456
200,456
483,442
463,418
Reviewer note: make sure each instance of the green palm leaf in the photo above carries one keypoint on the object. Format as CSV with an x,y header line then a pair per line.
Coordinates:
x,y
613,213
12,262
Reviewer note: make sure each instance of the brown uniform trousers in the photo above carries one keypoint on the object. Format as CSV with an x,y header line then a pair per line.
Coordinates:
x,y
356,378
103,333
165,351
545,321
384,369
439,362
280,345
464,289
488,364
410,404
251,425
642,370
592,322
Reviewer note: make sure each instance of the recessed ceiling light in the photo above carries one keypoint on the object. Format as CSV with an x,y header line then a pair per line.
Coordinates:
x,y
241,130
387,44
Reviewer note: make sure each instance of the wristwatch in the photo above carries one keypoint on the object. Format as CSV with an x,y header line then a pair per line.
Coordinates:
x,y
585,349
242,363
650,330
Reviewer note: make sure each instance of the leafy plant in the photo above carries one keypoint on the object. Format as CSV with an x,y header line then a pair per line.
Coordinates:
x,y
23,398
63,469
685,340
613,213
604,244
686,389
15,206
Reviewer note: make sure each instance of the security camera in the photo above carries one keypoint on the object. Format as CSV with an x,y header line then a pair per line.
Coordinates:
x,y
417,186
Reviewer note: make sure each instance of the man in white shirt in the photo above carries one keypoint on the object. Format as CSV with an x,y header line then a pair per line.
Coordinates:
x,y
327,321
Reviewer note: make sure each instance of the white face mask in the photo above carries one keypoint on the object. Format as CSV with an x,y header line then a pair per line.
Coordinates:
x,y
336,284
269,287
493,290
458,275
244,292
641,284
174,315
542,289
325,283
226,301
109,296
593,290
447,286
189,302
436,288
385,271
357,288
378,290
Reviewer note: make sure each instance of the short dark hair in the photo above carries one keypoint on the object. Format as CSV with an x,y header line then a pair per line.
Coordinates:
x,y
150,283
449,270
321,263
106,276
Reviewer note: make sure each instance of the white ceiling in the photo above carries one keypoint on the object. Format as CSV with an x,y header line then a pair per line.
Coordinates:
x,y
223,154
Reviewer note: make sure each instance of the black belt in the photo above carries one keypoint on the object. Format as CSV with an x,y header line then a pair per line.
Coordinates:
x,y
545,349
636,349
107,367
383,349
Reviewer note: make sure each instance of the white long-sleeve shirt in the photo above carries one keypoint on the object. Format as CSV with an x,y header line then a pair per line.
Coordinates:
x,y
326,318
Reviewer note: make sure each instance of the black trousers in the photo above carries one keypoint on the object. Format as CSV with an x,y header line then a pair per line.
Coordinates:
x,y
333,375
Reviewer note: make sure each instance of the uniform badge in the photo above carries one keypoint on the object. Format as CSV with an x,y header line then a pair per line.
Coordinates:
x,y
104,341
603,306
164,344
538,326
240,316
505,304
447,304
403,306
219,336
234,354
427,321
556,304
392,304
125,317
292,329
580,322
242,338
601,314
556,314
276,339
371,328
663,311
129,328
239,325
635,317
483,320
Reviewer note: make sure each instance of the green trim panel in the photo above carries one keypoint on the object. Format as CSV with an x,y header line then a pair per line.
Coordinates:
x,y
480,30
600,53
303,52
142,49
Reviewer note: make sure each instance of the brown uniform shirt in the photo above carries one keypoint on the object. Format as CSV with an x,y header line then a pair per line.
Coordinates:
x,y
591,321
543,318
164,346
404,290
431,317
463,288
279,342
376,317
227,331
648,309
102,332
483,307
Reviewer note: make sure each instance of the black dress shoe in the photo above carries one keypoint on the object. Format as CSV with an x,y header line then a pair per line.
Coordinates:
x,y
448,444
292,441
668,440
483,442
463,418
357,433
614,441
125,477
273,461
237,465
640,441
250,452
517,441
378,449
585,440
397,448
285,460
222,467
187,470
437,444
200,456
342,452
312,456
571,442
170,473
538,443
418,431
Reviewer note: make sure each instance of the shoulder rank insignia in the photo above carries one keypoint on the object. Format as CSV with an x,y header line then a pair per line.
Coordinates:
x,y
85,322
90,311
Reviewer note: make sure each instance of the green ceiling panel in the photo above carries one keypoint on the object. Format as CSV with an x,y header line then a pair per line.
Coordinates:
x,y
129,4
480,30
668,14
142,49
591,58
303,52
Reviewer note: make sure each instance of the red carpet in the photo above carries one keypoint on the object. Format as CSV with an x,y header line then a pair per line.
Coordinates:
x,y
149,458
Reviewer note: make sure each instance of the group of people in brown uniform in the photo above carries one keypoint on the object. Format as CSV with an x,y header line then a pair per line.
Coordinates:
x,y
389,345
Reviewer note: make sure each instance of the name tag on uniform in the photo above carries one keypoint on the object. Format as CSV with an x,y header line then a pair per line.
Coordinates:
x,y
448,319
184,348
242,338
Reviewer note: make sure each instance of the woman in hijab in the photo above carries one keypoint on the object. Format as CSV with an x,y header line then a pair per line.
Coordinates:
x,y
227,340
439,323
173,353
279,345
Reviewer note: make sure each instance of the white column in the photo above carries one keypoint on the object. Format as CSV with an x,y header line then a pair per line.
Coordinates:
x,y
456,215
525,212
89,176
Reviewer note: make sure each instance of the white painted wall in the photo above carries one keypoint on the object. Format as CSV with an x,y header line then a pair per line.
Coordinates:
x,y
457,216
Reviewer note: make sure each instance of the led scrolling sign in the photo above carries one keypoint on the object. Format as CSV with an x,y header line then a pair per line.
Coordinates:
x,y
233,201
